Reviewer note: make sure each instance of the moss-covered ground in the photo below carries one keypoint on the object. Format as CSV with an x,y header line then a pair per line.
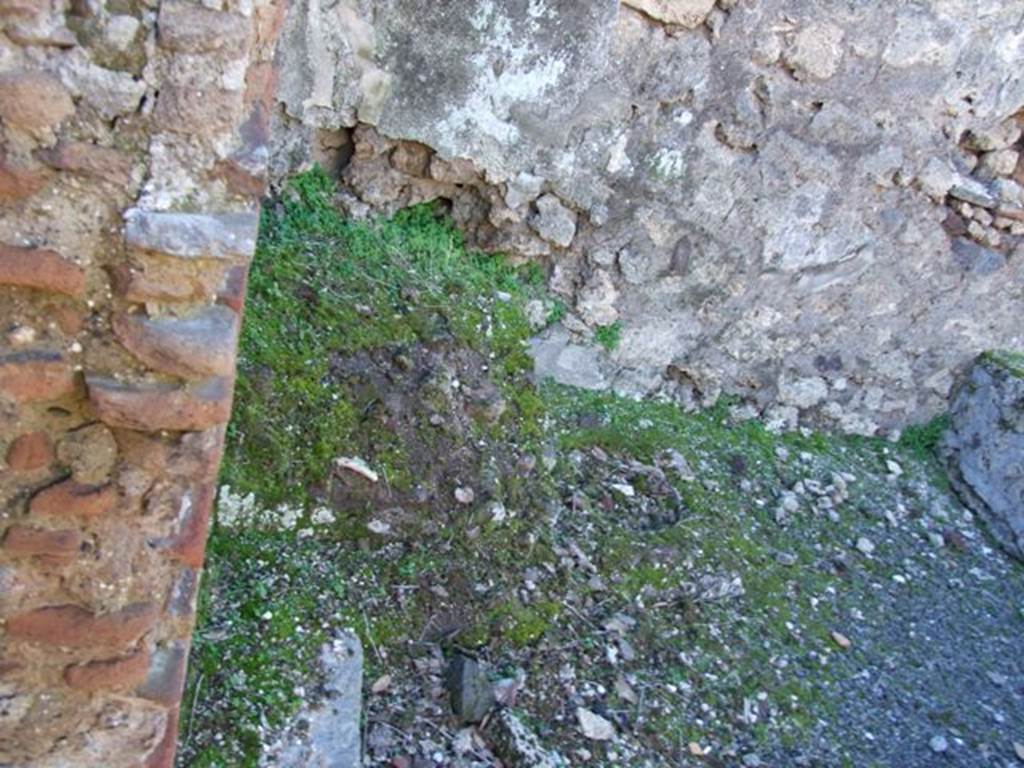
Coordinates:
x,y
582,513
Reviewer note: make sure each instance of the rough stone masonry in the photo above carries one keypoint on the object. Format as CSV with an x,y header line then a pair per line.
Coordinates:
x,y
134,146
817,206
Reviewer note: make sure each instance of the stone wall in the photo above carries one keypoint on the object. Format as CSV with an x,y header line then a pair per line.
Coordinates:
x,y
815,206
134,145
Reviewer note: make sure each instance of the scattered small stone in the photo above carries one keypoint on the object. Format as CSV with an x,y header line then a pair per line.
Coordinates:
x,y
463,742
894,469
1018,749
695,749
379,527
675,461
625,489
470,692
625,691
464,495
750,760
506,689
358,466
593,726
865,545
518,746
955,539
381,684
790,502
938,744
841,640
936,540
620,623
998,679
787,559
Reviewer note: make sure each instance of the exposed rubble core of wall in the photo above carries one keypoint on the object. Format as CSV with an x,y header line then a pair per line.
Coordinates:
x,y
133,150
819,209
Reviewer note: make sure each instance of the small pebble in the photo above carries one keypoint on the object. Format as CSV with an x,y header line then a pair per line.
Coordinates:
x,y
841,640
786,558
865,546
938,744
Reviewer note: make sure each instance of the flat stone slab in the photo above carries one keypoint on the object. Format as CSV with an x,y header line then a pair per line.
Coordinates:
x,y
556,356
193,235
327,734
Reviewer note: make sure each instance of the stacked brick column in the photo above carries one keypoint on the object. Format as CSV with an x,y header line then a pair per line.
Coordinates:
x,y
132,153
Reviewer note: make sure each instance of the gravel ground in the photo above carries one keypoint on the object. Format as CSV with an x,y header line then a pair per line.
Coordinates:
x,y
937,658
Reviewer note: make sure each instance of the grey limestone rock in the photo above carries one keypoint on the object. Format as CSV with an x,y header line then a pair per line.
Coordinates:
x,y
984,446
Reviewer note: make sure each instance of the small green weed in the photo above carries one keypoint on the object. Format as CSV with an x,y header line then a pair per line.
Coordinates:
x,y
609,336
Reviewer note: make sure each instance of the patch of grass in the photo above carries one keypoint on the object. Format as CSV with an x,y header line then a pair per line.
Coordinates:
x,y
922,440
523,625
558,311
609,336
259,633
323,287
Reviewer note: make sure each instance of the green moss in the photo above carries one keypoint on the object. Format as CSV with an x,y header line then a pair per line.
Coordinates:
x,y
1009,360
524,625
258,637
922,440
323,287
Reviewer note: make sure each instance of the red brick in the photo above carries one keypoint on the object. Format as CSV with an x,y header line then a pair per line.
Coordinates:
x,y
31,451
90,160
122,672
162,755
192,346
18,182
33,101
154,407
35,376
58,545
239,179
72,626
232,291
40,268
261,85
71,499
188,543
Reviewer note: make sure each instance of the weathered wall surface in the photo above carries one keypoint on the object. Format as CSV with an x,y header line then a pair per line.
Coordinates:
x,y
133,148
817,206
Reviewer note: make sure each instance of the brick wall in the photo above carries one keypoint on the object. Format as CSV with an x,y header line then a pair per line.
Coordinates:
x,y
132,156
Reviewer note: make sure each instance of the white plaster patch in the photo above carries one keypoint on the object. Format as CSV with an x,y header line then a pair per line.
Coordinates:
x,y
668,163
